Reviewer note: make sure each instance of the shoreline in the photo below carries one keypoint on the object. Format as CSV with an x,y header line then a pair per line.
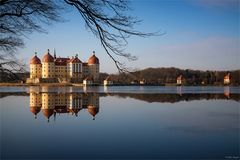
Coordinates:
x,y
81,85
37,84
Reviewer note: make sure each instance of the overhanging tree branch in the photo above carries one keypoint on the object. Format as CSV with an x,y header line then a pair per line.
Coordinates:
x,y
108,20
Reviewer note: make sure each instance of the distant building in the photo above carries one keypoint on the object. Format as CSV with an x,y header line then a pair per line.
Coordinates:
x,y
142,82
226,80
58,69
88,81
180,80
108,81
134,82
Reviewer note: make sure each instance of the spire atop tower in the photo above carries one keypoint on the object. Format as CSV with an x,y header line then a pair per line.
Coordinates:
x,y
93,52
55,53
35,53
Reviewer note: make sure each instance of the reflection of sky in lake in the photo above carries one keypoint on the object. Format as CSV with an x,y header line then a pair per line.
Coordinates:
x,y
124,128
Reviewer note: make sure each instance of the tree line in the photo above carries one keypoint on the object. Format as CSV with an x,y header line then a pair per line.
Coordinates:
x,y
153,76
163,76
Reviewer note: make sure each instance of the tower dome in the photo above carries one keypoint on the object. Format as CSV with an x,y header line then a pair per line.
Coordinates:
x,y
35,60
48,57
93,59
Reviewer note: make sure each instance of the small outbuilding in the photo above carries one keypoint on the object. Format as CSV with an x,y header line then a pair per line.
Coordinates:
x,y
142,82
108,81
88,81
226,80
180,80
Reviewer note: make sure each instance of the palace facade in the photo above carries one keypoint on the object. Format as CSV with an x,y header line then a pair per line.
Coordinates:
x,y
59,69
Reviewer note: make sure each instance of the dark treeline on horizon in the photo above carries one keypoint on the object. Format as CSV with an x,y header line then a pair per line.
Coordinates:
x,y
162,76
155,76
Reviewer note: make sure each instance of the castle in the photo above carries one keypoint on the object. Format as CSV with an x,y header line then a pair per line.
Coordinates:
x,y
58,69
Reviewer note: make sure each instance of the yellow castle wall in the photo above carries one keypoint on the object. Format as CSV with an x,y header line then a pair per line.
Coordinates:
x,y
35,70
48,70
61,71
94,71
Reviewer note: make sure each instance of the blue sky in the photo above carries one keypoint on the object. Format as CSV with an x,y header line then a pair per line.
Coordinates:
x,y
199,34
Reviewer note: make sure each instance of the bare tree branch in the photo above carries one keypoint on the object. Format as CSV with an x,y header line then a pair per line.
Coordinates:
x,y
106,19
17,19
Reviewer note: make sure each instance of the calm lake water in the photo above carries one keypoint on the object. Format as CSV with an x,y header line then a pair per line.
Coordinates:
x,y
120,122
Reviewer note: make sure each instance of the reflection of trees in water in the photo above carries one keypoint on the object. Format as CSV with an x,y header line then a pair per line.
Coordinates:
x,y
172,98
5,94
52,104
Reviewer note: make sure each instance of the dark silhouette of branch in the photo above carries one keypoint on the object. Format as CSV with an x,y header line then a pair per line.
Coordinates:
x,y
18,18
106,19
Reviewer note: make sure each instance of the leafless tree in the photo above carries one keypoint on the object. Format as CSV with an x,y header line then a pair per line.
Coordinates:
x,y
106,19
17,19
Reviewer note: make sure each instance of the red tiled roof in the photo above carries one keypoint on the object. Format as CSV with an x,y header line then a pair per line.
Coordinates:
x,y
179,77
48,58
61,61
35,60
84,64
75,60
227,76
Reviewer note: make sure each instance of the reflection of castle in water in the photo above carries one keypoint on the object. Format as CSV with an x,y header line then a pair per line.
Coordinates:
x,y
52,104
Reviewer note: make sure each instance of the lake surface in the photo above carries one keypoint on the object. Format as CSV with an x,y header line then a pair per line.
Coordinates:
x,y
120,122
